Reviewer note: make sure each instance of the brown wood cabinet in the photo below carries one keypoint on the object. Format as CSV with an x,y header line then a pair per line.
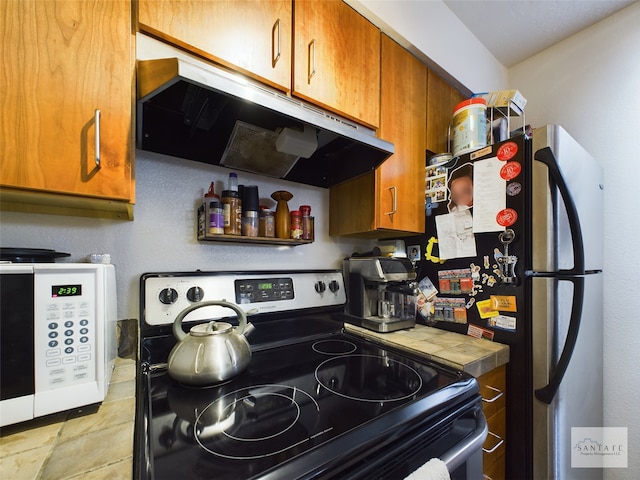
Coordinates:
x,y
493,386
63,62
390,200
253,37
441,100
336,60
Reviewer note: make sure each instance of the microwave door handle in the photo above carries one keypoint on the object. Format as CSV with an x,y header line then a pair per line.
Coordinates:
x,y
545,155
547,393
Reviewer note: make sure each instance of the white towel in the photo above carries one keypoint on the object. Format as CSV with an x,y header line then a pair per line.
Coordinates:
x,y
434,469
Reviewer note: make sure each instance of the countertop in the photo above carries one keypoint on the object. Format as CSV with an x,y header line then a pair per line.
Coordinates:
x,y
88,444
475,356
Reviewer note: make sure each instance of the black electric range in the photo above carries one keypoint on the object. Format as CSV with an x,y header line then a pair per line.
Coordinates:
x,y
314,402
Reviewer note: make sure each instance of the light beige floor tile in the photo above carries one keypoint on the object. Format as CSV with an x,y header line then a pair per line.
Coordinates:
x,y
36,436
88,452
24,465
120,390
122,470
108,415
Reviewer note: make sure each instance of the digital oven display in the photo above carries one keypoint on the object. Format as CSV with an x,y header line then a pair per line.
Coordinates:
x,y
255,290
66,290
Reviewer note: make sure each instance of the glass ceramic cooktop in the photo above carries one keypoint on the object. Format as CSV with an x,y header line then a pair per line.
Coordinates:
x,y
290,400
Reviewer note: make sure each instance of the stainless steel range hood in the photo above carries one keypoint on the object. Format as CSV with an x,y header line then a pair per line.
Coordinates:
x,y
193,110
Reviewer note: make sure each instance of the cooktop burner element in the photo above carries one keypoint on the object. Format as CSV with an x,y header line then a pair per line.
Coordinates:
x,y
370,378
256,422
334,347
314,401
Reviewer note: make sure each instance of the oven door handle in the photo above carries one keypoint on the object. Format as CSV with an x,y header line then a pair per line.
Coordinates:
x,y
459,455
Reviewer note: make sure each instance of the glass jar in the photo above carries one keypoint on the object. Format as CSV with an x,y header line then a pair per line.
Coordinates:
x,y
296,224
266,224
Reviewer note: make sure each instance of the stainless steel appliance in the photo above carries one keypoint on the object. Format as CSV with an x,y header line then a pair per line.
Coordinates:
x,y
382,294
57,334
194,110
529,273
314,401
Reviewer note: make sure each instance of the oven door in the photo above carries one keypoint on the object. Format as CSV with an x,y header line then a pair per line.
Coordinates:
x,y
456,438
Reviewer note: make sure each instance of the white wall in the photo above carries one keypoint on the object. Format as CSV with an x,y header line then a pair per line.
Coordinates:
x,y
589,84
431,31
162,236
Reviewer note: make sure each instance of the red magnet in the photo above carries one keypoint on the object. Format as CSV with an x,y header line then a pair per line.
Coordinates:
x,y
510,170
507,151
507,217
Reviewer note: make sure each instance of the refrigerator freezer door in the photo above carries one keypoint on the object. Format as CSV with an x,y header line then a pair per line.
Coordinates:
x,y
578,402
583,177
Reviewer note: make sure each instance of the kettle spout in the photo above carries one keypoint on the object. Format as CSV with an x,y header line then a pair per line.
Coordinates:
x,y
249,328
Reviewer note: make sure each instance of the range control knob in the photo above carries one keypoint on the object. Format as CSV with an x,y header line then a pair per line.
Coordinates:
x,y
320,286
168,296
195,294
334,286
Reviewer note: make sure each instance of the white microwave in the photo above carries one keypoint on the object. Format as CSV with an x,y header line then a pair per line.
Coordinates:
x,y
58,337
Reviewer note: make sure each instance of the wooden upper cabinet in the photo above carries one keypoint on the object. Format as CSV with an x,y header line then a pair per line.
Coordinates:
x,y
390,201
251,36
62,61
441,100
400,179
336,60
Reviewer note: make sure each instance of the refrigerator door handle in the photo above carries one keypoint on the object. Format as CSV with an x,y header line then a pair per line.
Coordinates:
x,y
547,393
545,155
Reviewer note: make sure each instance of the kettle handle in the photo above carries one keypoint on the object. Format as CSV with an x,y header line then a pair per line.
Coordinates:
x,y
178,332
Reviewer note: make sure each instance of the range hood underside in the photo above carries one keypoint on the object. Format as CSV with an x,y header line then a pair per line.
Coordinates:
x,y
189,120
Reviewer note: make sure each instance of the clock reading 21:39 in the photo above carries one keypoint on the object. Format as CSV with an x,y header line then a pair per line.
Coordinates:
x,y
66,290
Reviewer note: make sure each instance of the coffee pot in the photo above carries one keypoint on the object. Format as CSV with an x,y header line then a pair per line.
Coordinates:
x,y
211,352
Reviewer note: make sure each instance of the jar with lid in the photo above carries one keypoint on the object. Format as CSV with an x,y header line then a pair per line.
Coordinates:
x,y
296,224
307,222
266,223
216,217
232,212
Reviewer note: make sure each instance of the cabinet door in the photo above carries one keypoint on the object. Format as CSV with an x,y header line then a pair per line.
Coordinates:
x,y
400,179
62,61
390,201
337,59
251,36
441,100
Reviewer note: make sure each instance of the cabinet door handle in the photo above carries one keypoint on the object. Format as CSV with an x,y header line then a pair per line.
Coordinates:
x,y
96,118
311,66
495,447
275,43
495,397
394,195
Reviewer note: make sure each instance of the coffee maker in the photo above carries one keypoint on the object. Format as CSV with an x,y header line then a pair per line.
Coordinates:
x,y
381,293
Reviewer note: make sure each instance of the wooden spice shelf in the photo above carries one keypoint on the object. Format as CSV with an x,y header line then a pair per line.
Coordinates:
x,y
252,240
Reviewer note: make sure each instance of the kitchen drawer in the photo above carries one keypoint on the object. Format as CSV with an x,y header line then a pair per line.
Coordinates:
x,y
495,471
494,446
493,387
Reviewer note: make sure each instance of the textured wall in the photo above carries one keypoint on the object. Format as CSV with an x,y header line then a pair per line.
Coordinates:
x,y
162,236
589,84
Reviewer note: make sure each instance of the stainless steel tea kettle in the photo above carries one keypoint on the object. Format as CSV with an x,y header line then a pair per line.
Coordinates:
x,y
212,352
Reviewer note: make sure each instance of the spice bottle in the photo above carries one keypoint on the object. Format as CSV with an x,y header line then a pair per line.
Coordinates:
x,y
296,224
213,220
307,222
266,224
250,210
232,212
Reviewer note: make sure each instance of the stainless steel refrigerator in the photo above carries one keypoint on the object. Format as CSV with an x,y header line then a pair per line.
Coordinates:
x,y
513,246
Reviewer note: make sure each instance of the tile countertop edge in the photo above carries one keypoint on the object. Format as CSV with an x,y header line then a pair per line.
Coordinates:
x,y
475,356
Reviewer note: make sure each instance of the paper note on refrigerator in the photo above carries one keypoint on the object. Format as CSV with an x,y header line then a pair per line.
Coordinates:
x,y
455,235
489,195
